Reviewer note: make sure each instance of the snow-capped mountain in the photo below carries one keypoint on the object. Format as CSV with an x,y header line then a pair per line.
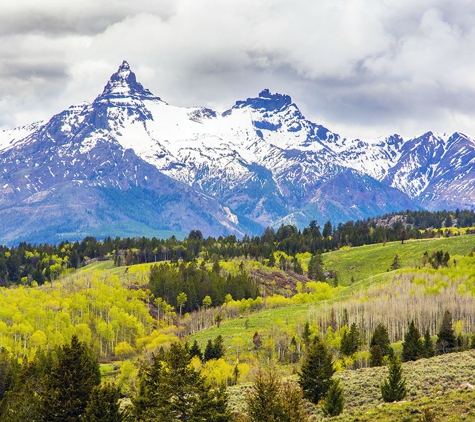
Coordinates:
x,y
129,163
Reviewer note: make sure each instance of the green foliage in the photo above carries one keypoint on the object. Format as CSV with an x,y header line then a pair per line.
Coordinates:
x,y
196,351
315,268
394,387
271,400
412,347
306,333
173,390
380,337
181,300
21,404
446,341
316,373
429,349
334,400
70,383
350,341
189,287
376,356
215,349
103,405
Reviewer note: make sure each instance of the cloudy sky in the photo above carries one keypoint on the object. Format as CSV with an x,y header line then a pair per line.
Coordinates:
x,y
363,68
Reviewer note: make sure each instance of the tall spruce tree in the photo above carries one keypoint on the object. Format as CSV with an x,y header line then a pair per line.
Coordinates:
x,y
380,337
446,341
70,383
394,387
376,357
429,349
316,373
412,346
334,401
195,350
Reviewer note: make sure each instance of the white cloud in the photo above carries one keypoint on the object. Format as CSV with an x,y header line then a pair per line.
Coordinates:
x,y
360,67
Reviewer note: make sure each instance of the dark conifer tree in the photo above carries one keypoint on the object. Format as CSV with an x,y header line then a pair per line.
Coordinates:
x,y
176,391
271,400
334,401
316,373
350,341
380,337
376,356
21,404
446,341
412,346
306,334
196,351
215,349
315,268
103,405
70,383
429,349
394,387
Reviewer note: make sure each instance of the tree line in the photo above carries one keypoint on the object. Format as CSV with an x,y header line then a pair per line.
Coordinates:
x,y
27,263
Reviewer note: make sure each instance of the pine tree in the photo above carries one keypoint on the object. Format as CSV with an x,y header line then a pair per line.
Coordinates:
x,y
263,402
22,398
376,356
446,341
429,349
380,337
70,383
271,400
315,268
146,401
21,404
316,372
196,351
350,342
215,349
103,405
394,387
412,347
174,390
334,401
209,351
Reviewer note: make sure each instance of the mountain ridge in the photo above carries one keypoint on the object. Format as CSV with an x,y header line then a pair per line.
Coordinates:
x,y
256,164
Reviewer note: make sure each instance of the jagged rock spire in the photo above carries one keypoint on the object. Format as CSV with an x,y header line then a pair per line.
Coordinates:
x,y
123,83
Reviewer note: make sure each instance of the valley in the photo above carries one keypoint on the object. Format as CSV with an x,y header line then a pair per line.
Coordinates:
x,y
112,309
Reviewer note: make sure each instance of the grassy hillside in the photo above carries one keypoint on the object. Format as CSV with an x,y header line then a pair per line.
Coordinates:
x,y
435,384
369,266
110,309
373,261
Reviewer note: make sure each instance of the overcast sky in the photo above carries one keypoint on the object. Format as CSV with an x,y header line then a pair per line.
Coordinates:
x,y
362,68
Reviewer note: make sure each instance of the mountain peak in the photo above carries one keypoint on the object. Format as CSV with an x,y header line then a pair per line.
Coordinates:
x,y
266,101
123,83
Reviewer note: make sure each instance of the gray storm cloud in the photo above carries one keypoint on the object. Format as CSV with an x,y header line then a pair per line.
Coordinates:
x,y
360,67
